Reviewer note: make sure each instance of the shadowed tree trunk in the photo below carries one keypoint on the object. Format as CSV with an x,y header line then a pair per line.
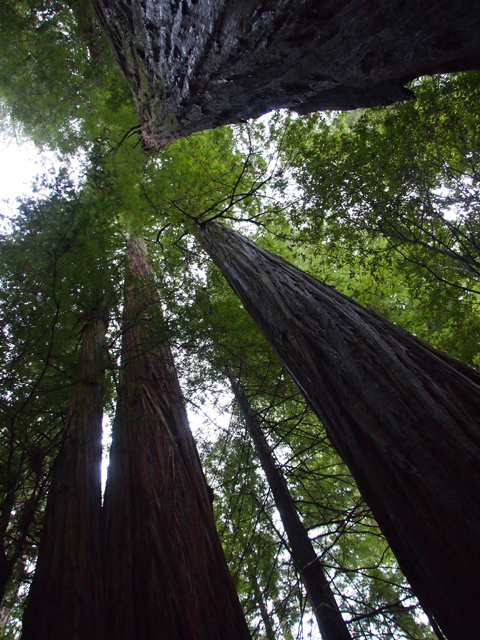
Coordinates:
x,y
404,417
65,599
198,64
166,573
6,563
329,619
267,621
26,511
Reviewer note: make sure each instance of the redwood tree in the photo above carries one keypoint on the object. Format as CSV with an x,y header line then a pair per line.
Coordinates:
x,y
66,596
328,615
166,575
403,416
198,64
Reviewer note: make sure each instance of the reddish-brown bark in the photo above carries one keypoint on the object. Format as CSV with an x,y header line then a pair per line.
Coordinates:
x,y
65,599
404,417
166,574
325,608
198,64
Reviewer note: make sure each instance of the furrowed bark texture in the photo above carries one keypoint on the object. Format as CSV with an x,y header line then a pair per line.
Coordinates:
x,y
66,597
166,573
404,417
329,618
198,64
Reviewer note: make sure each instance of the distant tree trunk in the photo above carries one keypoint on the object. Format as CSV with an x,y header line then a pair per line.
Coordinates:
x,y
267,621
6,562
199,64
329,618
404,417
286,630
13,547
65,599
166,573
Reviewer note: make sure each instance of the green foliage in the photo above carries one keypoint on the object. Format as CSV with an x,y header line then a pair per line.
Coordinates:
x,y
57,268
245,513
58,81
381,204
390,207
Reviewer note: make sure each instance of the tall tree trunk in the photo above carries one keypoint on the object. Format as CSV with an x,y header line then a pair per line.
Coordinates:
x,y
166,573
65,599
329,618
284,625
267,621
404,417
199,64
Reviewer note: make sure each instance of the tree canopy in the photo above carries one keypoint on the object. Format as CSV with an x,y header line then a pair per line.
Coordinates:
x,y
381,204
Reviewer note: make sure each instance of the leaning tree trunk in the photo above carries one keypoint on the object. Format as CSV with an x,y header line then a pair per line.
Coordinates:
x,y
65,599
267,620
198,64
329,618
12,548
166,574
7,562
404,417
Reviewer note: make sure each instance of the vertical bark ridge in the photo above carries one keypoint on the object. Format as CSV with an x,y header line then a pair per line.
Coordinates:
x,y
166,573
403,416
327,613
66,597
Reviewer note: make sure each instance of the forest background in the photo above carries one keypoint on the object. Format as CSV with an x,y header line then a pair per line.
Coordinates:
x,y
381,204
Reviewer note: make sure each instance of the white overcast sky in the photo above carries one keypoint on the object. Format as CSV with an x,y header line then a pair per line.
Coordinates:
x,y
20,162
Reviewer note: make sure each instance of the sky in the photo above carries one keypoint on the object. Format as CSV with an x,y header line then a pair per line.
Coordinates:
x,y
19,164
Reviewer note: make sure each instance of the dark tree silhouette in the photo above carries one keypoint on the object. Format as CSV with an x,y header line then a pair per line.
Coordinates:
x,y
198,64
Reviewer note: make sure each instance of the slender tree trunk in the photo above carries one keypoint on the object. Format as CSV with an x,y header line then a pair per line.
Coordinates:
x,y
6,562
166,573
267,621
329,618
25,515
404,417
65,599
286,630
6,569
